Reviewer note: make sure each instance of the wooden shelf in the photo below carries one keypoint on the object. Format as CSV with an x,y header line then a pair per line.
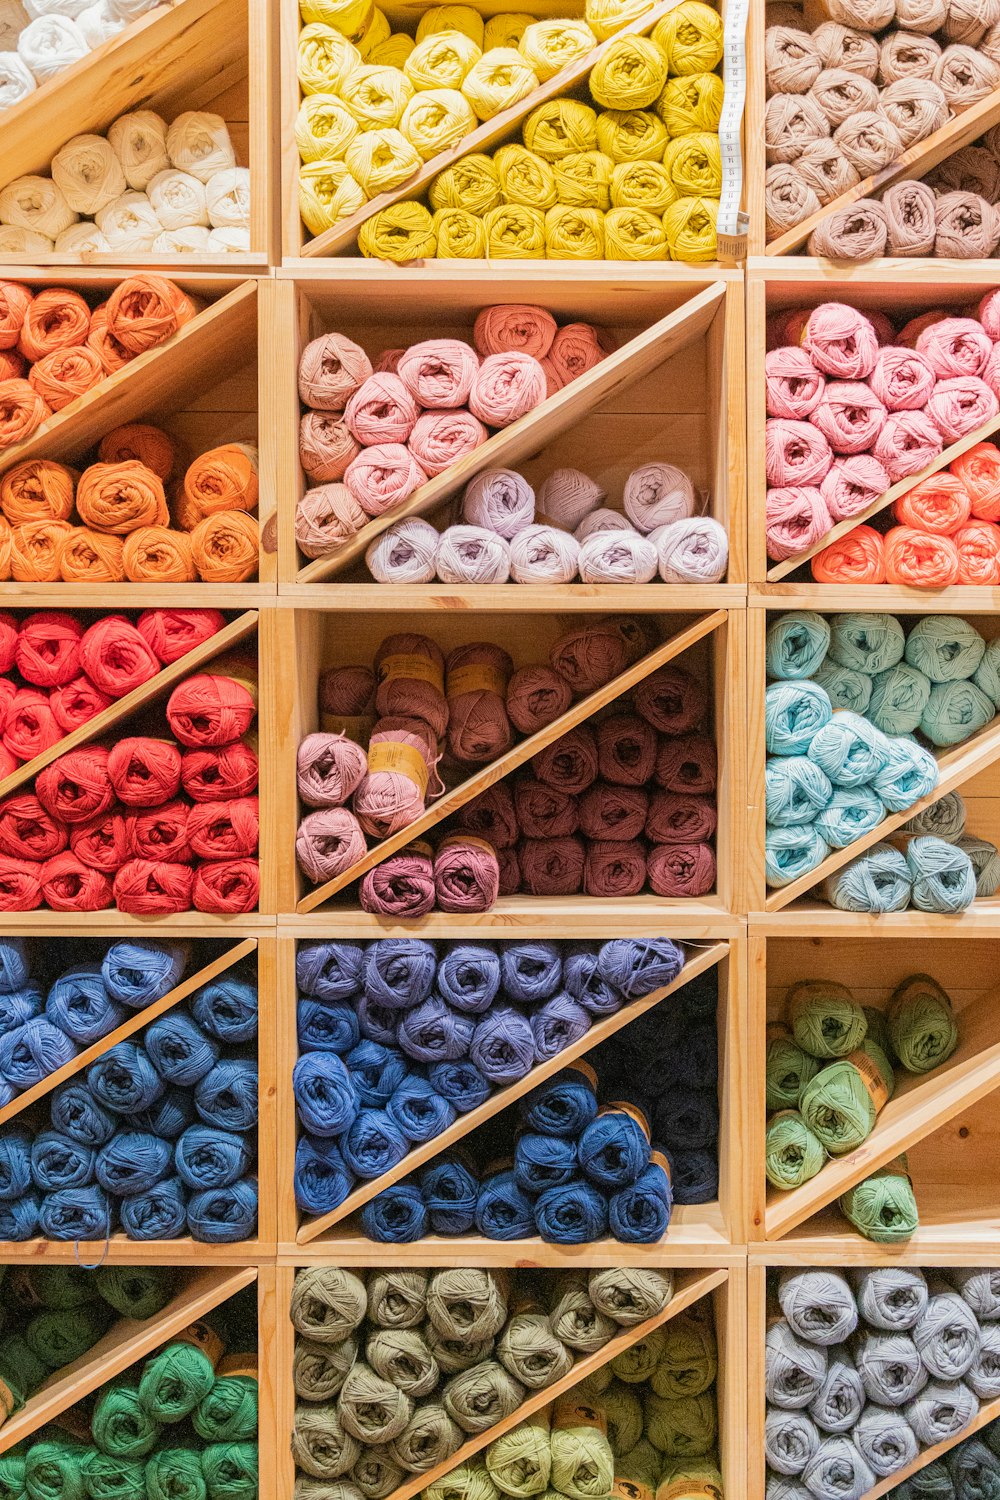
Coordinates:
x,y
526,598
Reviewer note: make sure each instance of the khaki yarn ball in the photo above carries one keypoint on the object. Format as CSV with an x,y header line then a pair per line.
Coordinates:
x,y
634,234
327,193
441,60
631,74
400,233
583,179
436,119
643,184
514,232
500,79
323,127
559,128
631,135
381,160
550,46
471,183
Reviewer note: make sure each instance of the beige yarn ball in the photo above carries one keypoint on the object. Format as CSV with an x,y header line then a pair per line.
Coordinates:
x,y
88,173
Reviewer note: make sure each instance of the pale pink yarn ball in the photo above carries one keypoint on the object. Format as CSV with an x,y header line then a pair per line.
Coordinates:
x,y
795,453
439,372
567,497
902,379
328,768
955,346
602,520
840,341
960,405
795,518
544,554
516,325
382,477
499,500
326,446
620,557
849,415
389,800
440,438
331,368
989,314
852,484
476,679
506,387
325,518
656,494
908,442
991,371
793,383
328,842
471,554
381,411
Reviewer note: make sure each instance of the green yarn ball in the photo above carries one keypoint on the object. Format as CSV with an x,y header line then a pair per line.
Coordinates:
x,y
12,1467
792,1153
922,1024
121,1425
788,1068
635,1365
689,1358
109,1478
825,1018
638,1467
868,643
468,1481
228,1414
136,1291
841,1104
945,648
987,674
519,1463
682,1428
174,1381
883,1207
878,1029
701,1477
59,1338
796,644
845,688
623,1413
54,1470
955,712
175,1474
230,1471
52,1286
898,699
583,1465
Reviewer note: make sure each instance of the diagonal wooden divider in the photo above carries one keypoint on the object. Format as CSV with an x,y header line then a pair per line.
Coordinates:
x,y
920,1106
504,1098
139,697
895,492
516,756
343,234
126,1342
987,1413
128,1028
525,437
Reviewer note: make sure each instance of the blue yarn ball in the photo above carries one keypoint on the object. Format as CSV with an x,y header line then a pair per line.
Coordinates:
x,y
15,973
792,852
15,1164
556,1025
376,1022
638,966
563,1105
82,1213
57,1162
543,1161
206,1157
795,790
433,1032
955,712
168,1115
376,1072
850,750
585,982
796,645
503,1046
898,699
223,1216
397,1216
179,1050
137,971
866,642
844,687
133,1162
227,1095
849,815
614,1148
227,1009
324,1026
398,973
450,1192
31,1052
322,1178
945,647
159,1214
75,1112
329,971
461,1083
911,773
18,1006
19,1217
124,1079
793,713
877,881
80,1005
325,1095
468,977
576,1214
503,1211
531,971
943,877
374,1144
419,1111
640,1213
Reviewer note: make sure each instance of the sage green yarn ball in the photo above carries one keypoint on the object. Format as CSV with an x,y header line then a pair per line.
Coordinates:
x,y
825,1018
455,1355
689,1360
530,1351
639,1466
378,1472
623,1413
922,1026
788,1068
583,1464
319,1370
898,699
883,1207
398,1299
866,642
321,1446
845,687
945,648
466,1302
682,1428
596,1384
635,1365
878,1029
574,1319
372,1410
987,674
328,1303
792,1153
985,860
479,1398
520,1462
837,1105
428,1439
402,1356
468,1481
692,1479
955,712
944,819
307,1488
796,645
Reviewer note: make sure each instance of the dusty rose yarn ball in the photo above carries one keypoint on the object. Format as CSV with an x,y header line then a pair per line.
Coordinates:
x,y
536,696
476,679
506,387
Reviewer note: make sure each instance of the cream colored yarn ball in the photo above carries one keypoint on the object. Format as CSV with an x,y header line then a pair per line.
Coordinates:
x,y
232,240
140,141
15,241
16,80
50,44
193,239
88,173
227,198
81,239
198,142
178,199
129,223
35,203
98,25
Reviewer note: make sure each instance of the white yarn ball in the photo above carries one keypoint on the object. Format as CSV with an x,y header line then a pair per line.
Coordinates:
x,y
88,173
405,553
692,550
71,8
602,520
139,140
99,25
16,80
657,494
81,239
227,196
178,199
14,241
232,241
544,554
129,223
192,240
13,19
130,10
35,203
617,557
567,496
499,500
198,142
50,44
471,554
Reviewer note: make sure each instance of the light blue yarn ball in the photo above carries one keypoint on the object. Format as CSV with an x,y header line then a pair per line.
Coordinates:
x,y
851,813
899,697
985,859
943,877
791,852
845,687
850,750
866,642
955,712
912,773
945,818
796,645
793,712
795,790
945,647
877,881
987,674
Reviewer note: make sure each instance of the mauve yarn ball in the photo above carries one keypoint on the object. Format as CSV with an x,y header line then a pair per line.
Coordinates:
x,y
589,656
476,682
536,696
570,764
552,867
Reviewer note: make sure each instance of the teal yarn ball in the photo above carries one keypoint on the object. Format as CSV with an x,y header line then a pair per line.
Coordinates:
x,y
899,697
795,790
987,674
793,712
791,852
955,712
796,645
850,750
844,687
911,773
945,647
985,862
943,877
868,643
945,818
851,813
877,881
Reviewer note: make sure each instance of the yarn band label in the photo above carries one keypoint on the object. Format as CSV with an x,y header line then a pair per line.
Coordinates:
x,y
204,1338
623,1107
692,1489
570,1413
239,1364
657,1159
585,1070
391,755
479,677
8,1401
868,1071
357,727
417,668
467,841
631,1489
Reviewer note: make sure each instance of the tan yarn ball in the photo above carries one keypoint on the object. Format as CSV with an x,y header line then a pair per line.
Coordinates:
x,y
966,227
841,94
909,209
851,234
906,54
825,169
787,198
916,106
791,61
840,46
869,141
925,16
965,76
969,20
974,169
791,121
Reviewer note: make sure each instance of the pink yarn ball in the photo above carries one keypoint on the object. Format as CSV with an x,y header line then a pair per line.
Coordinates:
x,y
506,387
382,477
536,696
329,767
656,494
989,314
391,796
567,497
795,518
476,687
960,405
626,750
672,700
849,415
615,813
331,368
326,446
347,690
614,868
499,500
570,764
955,346
440,438
908,442
439,373
401,886
325,518
840,341
991,370
590,655
544,812
902,379
853,484
410,671
795,453
381,411
388,361
328,843
794,385
514,325
552,867
466,875
602,520
575,349
681,870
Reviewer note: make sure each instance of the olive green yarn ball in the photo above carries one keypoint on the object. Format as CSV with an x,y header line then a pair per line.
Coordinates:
x,y
792,1153
689,1357
825,1018
682,1428
922,1025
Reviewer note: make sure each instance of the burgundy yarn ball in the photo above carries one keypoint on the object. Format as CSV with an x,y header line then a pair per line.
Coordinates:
x,y
626,750
544,812
410,672
613,813
491,816
591,655
551,867
614,868
671,699
680,818
688,764
681,869
476,680
510,872
570,763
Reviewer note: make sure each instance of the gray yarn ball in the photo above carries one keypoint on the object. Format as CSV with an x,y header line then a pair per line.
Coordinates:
x,y
941,1410
885,1439
946,1334
793,1369
790,1440
984,1373
841,1397
837,1471
890,1367
979,1286
819,1305
890,1297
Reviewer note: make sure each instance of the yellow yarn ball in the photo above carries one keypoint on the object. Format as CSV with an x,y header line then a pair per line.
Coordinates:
x,y
327,193
471,183
691,35
325,59
634,234
514,232
690,228
583,179
381,160
506,30
394,52
525,178
348,17
631,74
642,184
631,135
559,128
695,164
605,17
323,127
376,34
692,103
573,233
452,18
376,97
441,60
550,46
402,232
498,80
436,119
460,235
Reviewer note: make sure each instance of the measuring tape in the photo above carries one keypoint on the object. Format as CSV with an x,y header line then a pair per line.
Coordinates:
x,y
732,223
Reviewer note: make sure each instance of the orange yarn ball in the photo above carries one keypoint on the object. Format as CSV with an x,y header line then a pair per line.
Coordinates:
x,y
139,442
37,490
156,554
22,411
920,559
226,547
858,557
61,377
56,319
15,299
12,366
34,551
223,479
978,468
111,353
119,498
145,310
6,536
978,544
89,557
939,504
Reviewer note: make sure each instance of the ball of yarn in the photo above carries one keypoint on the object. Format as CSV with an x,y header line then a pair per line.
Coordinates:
x,y
500,501
406,553
877,881
793,714
472,554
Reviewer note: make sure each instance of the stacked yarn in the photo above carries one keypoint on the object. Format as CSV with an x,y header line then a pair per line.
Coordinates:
x,y
131,514
829,1074
144,188
397,1041
38,40
948,532
152,825
852,85
569,531
157,1138
863,1374
385,432
394,1370
854,406
53,342
971,1466
631,172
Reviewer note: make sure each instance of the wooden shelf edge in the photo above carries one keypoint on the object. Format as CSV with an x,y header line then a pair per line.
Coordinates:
x,y
896,598
529,598
119,1250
